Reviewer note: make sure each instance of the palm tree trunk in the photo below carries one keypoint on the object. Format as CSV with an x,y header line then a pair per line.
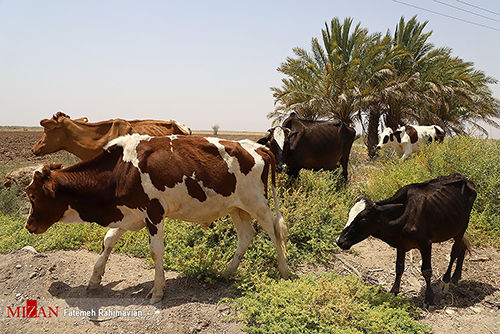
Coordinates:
x,y
392,121
372,141
393,116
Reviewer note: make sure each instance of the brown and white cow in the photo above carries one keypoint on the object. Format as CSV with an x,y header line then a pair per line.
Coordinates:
x,y
407,139
416,216
86,140
139,180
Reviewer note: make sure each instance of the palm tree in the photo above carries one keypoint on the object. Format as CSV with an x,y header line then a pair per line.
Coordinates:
x,y
441,89
352,75
325,82
410,37
459,96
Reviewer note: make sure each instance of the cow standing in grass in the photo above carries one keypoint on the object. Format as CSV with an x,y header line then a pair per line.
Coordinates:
x,y
139,180
301,143
409,138
415,217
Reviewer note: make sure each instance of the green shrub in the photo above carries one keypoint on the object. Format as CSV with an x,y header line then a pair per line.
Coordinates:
x,y
323,304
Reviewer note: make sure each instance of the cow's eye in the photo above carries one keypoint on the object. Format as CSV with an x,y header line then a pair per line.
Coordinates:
x,y
32,197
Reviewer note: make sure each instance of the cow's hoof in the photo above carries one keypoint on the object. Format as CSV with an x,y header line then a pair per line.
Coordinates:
x,y
93,286
155,299
445,287
429,307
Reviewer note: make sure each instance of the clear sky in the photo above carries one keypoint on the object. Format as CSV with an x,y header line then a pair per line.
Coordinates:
x,y
200,62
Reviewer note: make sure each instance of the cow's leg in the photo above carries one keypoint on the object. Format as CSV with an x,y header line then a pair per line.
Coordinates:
x,y
460,261
243,224
157,248
344,162
293,174
425,252
112,236
400,268
455,250
271,225
406,152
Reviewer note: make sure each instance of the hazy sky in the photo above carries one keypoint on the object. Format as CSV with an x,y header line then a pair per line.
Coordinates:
x,y
200,62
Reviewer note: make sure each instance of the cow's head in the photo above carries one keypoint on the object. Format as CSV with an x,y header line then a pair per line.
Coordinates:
x,y
277,141
45,208
54,135
389,137
365,218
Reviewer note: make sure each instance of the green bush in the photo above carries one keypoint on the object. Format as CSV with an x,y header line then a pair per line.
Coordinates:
x,y
323,304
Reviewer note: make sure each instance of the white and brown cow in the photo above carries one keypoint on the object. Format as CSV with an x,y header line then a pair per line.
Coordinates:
x,y
139,180
407,139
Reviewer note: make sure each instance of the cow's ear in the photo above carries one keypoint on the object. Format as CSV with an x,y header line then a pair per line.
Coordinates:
x,y
49,189
48,123
55,166
387,208
37,175
45,174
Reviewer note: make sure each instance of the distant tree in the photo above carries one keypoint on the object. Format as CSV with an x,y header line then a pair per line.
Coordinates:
x,y
215,129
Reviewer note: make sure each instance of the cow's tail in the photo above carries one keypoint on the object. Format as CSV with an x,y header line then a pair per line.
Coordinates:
x,y
280,229
468,246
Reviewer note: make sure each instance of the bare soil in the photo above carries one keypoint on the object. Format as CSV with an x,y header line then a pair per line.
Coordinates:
x,y
59,279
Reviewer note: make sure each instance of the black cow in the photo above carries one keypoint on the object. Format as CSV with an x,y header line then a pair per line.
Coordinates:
x,y
315,145
416,216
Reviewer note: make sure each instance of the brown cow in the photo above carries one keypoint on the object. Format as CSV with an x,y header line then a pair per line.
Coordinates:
x,y
86,140
139,180
416,216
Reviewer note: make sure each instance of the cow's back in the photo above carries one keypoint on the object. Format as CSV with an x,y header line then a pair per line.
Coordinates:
x,y
441,206
158,128
197,178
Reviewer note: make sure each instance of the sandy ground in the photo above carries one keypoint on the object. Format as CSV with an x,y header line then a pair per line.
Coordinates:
x,y
59,279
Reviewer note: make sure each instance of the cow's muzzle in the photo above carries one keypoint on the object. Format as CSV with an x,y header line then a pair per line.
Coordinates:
x,y
343,244
281,168
33,229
